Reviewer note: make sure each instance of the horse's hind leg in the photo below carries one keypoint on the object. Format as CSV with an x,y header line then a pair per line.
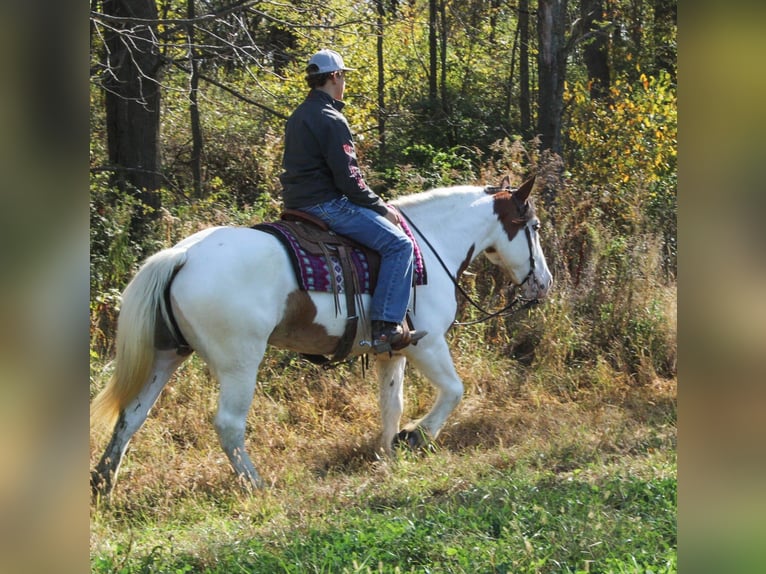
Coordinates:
x,y
237,380
130,419
391,398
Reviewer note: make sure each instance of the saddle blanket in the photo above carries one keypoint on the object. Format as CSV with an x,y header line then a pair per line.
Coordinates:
x,y
313,273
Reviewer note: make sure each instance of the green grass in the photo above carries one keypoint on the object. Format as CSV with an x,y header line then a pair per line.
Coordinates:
x,y
504,524
439,513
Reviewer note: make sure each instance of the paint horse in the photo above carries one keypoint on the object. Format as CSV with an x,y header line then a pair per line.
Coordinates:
x,y
231,291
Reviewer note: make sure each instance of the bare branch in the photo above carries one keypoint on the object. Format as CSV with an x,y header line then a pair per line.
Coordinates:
x,y
179,22
244,98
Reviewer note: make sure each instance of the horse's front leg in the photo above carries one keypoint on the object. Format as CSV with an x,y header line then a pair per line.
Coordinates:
x,y
435,363
391,397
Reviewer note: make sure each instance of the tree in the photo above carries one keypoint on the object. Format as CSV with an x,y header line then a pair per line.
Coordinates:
x,y
665,22
595,51
135,52
433,19
524,99
132,100
443,58
552,60
381,12
196,129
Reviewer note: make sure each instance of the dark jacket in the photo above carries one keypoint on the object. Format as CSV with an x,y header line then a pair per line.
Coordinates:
x,y
320,159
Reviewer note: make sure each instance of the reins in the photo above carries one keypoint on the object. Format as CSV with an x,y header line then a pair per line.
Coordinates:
x,y
505,311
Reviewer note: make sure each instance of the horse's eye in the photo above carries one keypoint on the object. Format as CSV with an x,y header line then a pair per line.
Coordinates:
x,y
536,226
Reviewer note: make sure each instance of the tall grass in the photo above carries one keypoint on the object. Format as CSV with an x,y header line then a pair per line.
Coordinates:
x,y
522,480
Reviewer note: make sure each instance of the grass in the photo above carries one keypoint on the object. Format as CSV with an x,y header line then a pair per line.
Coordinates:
x,y
526,477
507,520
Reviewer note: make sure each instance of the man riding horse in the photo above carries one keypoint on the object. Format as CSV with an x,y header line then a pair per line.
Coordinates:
x,y
322,177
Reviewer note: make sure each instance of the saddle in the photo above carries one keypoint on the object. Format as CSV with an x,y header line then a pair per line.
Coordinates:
x,y
325,261
317,239
353,268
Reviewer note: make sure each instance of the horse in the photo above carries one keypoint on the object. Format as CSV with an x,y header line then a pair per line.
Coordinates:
x,y
228,292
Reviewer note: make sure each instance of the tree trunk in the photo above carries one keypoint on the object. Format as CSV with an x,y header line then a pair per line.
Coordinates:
x,y
552,56
432,53
381,79
595,51
524,99
511,74
196,130
444,108
665,22
132,103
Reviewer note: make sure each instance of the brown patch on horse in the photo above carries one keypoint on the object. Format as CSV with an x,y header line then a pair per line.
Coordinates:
x,y
513,208
298,331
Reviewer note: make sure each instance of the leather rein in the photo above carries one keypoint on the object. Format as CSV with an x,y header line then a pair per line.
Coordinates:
x,y
509,308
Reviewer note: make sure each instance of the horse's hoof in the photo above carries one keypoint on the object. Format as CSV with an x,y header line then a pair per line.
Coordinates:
x,y
415,439
100,486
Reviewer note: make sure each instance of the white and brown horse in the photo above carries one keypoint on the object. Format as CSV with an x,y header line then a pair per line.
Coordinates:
x,y
231,291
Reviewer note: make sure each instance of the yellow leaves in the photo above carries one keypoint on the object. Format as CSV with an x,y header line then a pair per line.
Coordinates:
x,y
625,144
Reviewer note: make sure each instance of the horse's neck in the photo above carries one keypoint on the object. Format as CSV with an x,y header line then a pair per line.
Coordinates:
x,y
456,221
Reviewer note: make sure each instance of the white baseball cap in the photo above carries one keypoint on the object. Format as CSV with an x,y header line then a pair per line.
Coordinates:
x,y
328,61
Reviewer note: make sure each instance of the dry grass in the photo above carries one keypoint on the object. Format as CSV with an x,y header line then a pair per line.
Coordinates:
x,y
311,429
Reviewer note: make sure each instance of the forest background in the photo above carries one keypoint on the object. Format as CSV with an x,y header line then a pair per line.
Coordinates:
x,y
188,103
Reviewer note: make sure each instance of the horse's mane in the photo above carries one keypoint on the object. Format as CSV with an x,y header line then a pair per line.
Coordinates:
x,y
430,195
456,193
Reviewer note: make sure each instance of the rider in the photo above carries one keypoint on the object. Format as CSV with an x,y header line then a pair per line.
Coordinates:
x,y
322,177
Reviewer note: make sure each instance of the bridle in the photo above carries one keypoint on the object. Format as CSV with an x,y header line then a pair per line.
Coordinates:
x,y
516,299
522,221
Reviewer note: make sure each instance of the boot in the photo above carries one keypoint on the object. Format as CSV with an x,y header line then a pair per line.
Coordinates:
x,y
388,337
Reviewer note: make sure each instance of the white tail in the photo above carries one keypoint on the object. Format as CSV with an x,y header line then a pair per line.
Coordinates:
x,y
135,351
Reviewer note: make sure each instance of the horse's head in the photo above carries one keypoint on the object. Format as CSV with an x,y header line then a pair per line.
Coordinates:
x,y
516,243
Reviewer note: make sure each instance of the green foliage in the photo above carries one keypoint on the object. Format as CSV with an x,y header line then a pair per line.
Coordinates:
x,y
612,301
622,152
425,167
114,256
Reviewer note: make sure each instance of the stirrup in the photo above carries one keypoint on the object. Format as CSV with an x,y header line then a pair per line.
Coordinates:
x,y
399,341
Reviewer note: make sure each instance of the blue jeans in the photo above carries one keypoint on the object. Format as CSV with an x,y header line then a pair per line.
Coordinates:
x,y
392,293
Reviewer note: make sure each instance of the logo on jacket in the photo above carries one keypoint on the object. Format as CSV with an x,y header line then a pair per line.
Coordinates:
x,y
353,166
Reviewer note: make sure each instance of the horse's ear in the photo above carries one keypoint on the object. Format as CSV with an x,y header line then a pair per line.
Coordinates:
x,y
525,188
506,183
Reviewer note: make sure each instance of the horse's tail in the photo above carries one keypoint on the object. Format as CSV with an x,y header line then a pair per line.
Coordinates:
x,y
142,302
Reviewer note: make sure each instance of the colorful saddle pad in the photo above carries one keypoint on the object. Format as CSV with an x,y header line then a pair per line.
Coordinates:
x,y
311,267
